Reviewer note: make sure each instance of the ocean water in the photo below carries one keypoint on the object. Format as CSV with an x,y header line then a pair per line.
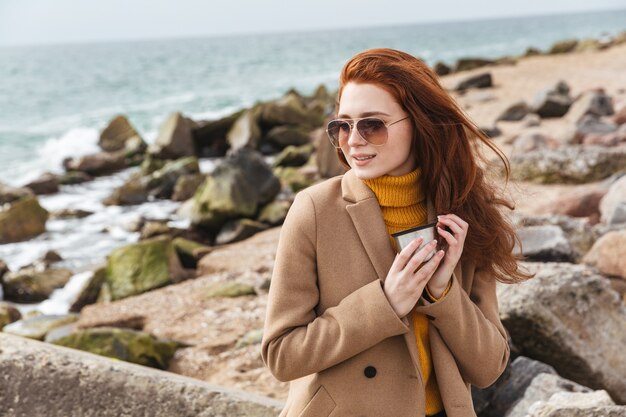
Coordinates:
x,y
54,100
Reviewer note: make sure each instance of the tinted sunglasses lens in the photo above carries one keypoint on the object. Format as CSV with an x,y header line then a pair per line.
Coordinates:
x,y
338,132
372,130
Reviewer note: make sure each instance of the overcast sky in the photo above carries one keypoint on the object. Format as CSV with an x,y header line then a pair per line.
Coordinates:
x,y
61,21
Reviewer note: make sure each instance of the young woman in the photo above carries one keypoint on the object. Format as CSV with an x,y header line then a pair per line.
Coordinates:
x,y
359,327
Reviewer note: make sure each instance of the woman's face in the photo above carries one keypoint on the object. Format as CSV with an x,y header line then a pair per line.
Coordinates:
x,y
395,156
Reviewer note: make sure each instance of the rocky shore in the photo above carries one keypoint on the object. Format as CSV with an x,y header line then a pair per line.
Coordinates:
x,y
191,300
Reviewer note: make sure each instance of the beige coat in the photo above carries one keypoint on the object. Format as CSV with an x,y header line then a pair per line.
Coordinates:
x,y
330,330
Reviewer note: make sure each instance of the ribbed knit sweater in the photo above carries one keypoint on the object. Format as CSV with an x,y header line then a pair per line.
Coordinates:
x,y
403,204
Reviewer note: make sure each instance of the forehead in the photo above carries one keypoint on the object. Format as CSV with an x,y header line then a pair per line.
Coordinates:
x,y
361,100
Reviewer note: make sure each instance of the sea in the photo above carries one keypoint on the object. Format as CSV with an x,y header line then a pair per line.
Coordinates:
x,y
55,99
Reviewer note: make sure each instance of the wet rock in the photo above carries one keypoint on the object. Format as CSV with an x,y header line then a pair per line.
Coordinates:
x,y
190,252
186,186
31,285
482,80
174,139
240,229
136,268
121,135
38,326
51,257
552,102
90,290
608,254
569,317
74,177
8,314
70,213
46,183
210,136
229,289
123,344
102,163
235,189
9,194
23,219
572,164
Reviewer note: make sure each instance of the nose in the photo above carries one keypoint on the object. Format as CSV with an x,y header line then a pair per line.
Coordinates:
x,y
355,138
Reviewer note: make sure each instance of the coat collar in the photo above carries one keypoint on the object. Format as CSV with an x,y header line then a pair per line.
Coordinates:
x,y
367,217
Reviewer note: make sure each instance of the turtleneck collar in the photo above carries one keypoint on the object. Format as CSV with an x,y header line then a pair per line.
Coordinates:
x,y
397,191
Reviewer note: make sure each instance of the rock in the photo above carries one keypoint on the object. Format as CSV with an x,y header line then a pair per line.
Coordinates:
x,y
595,103
112,387
509,388
582,201
572,164
466,64
620,117
514,112
245,132
544,244
8,314
589,124
90,290
229,289
23,219
283,136
274,213
288,110
102,163
51,257
590,45
606,139
531,120
293,178
552,102
174,139
38,326
123,344
74,177
293,156
491,131
570,318
608,254
564,404
189,252
253,337
186,186
441,68
140,267
70,213
210,136
121,135
47,183
327,160
154,228
531,51
482,80
236,230
613,204
235,189
30,285
10,194
531,141
541,388
564,46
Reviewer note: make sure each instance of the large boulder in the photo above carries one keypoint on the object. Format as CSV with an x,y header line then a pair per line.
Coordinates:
x,y
569,317
574,164
174,139
102,163
608,254
22,219
236,188
121,135
210,135
245,132
139,267
544,243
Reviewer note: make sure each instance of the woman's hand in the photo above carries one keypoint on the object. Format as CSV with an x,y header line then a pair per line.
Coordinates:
x,y
407,276
455,240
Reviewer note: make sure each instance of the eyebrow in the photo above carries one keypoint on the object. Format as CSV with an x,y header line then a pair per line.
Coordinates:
x,y
365,114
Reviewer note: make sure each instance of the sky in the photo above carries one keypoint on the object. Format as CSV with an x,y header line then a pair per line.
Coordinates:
x,y
24,22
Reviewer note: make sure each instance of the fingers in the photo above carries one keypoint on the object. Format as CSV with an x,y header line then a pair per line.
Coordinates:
x,y
405,254
454,222
429,267
419,257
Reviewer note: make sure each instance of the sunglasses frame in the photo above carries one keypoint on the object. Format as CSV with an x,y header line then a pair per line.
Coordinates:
x,y
353,122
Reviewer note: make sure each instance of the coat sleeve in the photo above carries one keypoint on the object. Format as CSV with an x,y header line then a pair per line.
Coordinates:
x,y
472,330
296,341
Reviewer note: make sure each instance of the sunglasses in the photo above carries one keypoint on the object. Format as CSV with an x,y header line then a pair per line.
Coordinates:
x,y
372,129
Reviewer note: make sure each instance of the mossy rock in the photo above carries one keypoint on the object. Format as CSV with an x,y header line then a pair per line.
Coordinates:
x,y
229,289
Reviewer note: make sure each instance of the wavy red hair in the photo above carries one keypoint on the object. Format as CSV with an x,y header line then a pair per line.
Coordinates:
x,y
447,145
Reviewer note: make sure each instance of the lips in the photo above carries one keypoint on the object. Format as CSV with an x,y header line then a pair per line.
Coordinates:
x,y
362,157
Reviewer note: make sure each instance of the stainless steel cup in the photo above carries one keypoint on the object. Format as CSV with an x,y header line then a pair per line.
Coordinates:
x,y
404,237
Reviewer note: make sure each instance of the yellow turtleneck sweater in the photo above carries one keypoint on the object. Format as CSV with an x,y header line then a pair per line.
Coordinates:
x,y
402,201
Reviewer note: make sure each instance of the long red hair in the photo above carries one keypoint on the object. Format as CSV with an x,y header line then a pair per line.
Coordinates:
x,y
447,147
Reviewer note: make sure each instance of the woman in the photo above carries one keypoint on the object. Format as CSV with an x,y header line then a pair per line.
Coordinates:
x,y
358,327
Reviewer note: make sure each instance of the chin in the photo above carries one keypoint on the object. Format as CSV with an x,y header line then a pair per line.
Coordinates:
x,y
365,174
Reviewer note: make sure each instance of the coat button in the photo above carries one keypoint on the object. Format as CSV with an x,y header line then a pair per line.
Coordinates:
x,y
370,372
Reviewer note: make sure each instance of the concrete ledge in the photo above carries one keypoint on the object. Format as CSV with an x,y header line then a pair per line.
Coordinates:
x,y
42,379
